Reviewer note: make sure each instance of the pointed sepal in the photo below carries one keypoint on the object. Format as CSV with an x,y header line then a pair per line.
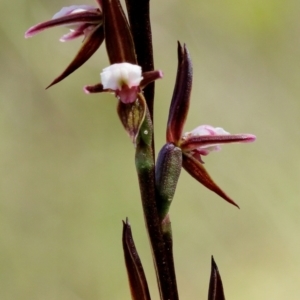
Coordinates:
x,y
118,38
150,76
205,139
90,45
215,291
85,17
167,172
181,96
93,89
132,116
136,276
196,169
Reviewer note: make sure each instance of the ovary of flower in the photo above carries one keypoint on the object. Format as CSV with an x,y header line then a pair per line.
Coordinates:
x,y
124,79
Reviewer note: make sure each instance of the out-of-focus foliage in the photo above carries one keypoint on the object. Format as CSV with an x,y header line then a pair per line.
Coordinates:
x,y
67,175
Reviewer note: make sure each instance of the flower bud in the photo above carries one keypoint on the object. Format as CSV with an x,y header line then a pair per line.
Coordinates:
x,y
167,173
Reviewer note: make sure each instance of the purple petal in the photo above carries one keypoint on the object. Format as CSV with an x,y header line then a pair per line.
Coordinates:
x,y
92,89
89,47
118,38
82,17
79,31
195,142
196,169
181,96
150,76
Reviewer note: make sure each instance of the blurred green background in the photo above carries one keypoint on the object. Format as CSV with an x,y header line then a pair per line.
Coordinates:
x,y
67,167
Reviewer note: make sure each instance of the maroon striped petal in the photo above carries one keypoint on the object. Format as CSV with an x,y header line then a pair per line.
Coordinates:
x,y
79,31
118,38
89,47
81,17
149,77
196,169
181,96
97,88
194,142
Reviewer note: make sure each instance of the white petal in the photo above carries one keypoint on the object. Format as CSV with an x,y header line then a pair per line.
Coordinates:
x,y
117,75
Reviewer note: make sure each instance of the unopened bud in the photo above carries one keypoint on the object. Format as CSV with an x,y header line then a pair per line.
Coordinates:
x,y
168,169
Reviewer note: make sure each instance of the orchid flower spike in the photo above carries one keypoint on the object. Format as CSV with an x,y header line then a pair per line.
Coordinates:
x,y
82,20
194,144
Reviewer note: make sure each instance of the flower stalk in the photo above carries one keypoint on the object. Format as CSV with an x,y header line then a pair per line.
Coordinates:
x,y
130,78
146,174
160,236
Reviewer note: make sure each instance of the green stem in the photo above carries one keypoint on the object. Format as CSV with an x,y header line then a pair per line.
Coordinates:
x,y
146,174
